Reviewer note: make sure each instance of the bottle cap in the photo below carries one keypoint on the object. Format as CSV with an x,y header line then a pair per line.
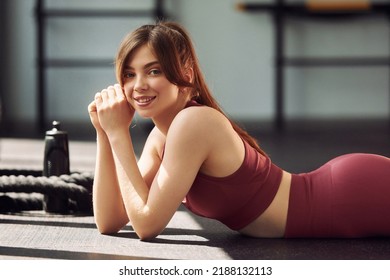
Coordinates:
x,y
56,130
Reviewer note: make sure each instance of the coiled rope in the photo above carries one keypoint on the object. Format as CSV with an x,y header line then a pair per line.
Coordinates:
x,y
29,190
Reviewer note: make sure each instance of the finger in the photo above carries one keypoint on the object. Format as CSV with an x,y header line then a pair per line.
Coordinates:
x,y
98,95
92,107
98,98
104,94
111,92
119,91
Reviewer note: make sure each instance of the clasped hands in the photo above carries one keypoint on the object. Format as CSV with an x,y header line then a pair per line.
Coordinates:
x,y
110,111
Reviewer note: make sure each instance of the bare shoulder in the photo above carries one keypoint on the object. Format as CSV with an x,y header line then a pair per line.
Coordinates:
x,y
192,139
200,122
202,113
206,133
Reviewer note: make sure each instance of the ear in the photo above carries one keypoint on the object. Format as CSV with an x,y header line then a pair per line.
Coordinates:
x,y
190,74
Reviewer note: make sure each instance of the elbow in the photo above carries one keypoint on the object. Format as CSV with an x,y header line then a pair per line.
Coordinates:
x,y
106,227
147,230
106,230
146,237
142,235
147,234
147,226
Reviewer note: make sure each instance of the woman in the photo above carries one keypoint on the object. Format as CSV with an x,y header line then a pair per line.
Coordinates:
x,y
195,155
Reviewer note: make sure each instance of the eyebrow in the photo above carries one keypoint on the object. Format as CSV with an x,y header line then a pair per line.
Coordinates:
x,y
147,65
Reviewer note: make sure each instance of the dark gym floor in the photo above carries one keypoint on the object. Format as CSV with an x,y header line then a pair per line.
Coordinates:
x,y
300,147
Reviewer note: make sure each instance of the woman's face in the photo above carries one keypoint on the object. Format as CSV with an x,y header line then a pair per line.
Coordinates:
x,y
146,87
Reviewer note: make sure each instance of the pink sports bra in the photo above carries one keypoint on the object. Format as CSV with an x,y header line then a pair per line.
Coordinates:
x,y
238,199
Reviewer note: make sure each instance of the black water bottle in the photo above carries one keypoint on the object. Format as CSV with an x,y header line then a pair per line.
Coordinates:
x,y
56,163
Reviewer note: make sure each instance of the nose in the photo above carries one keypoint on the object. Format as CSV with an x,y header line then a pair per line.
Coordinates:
x,y
141,84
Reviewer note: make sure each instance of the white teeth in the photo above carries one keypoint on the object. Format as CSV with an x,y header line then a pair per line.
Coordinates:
x,y
144,99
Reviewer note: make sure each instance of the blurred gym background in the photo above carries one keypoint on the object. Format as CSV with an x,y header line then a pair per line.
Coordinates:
x,y
310,79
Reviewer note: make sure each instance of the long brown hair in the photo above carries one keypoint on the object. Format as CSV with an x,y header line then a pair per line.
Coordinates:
x,y
175,52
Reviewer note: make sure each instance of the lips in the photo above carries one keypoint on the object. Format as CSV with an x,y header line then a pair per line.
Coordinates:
x,y
144,100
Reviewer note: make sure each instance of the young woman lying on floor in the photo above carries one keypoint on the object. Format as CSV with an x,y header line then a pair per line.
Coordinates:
x,y
197,156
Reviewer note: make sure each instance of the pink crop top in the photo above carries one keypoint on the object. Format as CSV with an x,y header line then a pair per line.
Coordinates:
x,y
238,199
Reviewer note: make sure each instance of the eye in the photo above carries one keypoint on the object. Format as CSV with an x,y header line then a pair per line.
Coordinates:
x,y
155,72
128,75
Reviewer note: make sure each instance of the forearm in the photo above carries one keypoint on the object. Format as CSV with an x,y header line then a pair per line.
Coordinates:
x,y
109,212
132,185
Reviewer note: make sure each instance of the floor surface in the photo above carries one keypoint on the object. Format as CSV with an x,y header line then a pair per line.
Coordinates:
x,y
39,235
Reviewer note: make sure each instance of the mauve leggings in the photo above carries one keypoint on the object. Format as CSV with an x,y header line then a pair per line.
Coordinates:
x,y
347,197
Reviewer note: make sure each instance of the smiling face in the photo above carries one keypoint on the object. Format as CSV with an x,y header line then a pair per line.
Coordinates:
x,y
146,87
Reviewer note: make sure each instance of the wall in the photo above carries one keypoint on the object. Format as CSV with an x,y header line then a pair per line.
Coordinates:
x,y
2,57
235,51
18,70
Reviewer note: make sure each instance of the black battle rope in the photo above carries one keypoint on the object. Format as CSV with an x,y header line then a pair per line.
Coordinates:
x,y
29,190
